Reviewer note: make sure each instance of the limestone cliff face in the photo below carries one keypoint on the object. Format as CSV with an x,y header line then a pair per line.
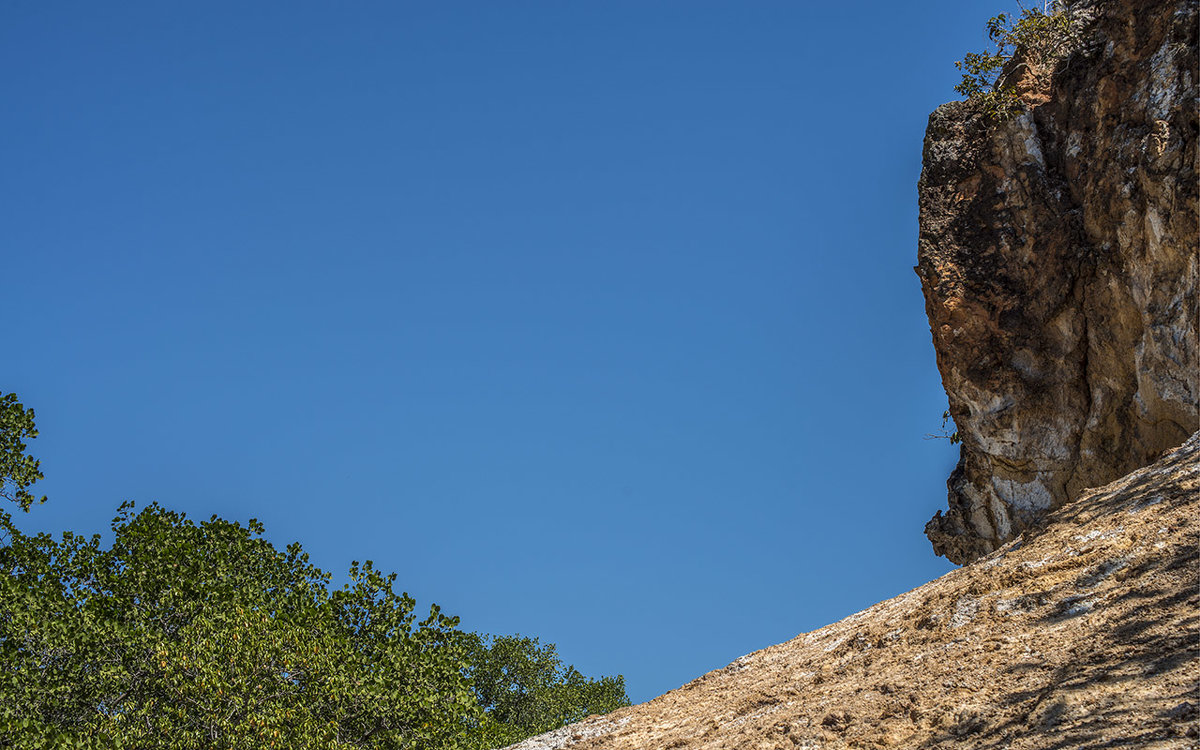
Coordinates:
x,y
1058,257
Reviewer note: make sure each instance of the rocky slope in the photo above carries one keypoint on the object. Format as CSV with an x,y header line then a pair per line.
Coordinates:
x,y
1058,257
1080,634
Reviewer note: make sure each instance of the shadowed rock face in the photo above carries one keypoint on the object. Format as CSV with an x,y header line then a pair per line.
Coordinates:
x,y
1058,258
1082,633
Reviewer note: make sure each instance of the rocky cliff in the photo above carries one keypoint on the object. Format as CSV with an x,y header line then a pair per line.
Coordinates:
x,y
1081,634
1058,257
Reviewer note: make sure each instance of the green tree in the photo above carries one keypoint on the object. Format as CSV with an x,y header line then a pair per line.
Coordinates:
x,y
204,635
189,635
18,471
525,689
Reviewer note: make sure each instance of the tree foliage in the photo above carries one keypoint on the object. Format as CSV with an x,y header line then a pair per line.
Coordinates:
x,y
204,635
525,689
1037,38
18,471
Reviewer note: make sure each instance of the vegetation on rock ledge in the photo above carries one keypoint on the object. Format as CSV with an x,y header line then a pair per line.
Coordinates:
x,y
1026,47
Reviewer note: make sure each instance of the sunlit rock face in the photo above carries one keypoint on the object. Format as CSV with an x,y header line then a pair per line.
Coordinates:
x,y
1058,257
1082,634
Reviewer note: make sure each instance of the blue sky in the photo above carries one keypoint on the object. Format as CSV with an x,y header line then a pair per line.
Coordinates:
x,y
595,321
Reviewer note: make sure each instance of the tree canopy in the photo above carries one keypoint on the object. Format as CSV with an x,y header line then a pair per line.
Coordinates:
x,y
18,471
525,688
204,635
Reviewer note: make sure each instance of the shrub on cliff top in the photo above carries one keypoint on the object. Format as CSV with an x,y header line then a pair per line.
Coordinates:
x,y
1034,42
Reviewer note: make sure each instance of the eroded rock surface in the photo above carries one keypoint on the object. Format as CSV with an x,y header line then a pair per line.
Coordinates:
x,y
1058,257
1084,633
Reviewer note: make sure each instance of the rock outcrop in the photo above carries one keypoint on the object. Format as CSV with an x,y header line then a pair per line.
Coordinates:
x,y
1081,634
1058,257
1059,260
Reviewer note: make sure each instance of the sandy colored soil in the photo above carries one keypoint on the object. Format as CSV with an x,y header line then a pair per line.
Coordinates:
x,y
1083,635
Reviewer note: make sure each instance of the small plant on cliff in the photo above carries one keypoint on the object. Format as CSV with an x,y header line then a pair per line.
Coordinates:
x,y
1027,45
945,434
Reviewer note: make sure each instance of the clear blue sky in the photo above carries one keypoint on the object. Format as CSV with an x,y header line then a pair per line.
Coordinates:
x,y
595,321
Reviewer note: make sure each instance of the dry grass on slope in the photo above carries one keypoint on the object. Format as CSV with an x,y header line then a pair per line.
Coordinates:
x,y
1086,634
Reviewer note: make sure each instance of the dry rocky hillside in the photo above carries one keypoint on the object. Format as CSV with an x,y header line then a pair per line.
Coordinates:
x,y
1059,259
1083,634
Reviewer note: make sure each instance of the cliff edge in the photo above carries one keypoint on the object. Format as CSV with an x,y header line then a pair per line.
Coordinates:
x,y
1058,258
